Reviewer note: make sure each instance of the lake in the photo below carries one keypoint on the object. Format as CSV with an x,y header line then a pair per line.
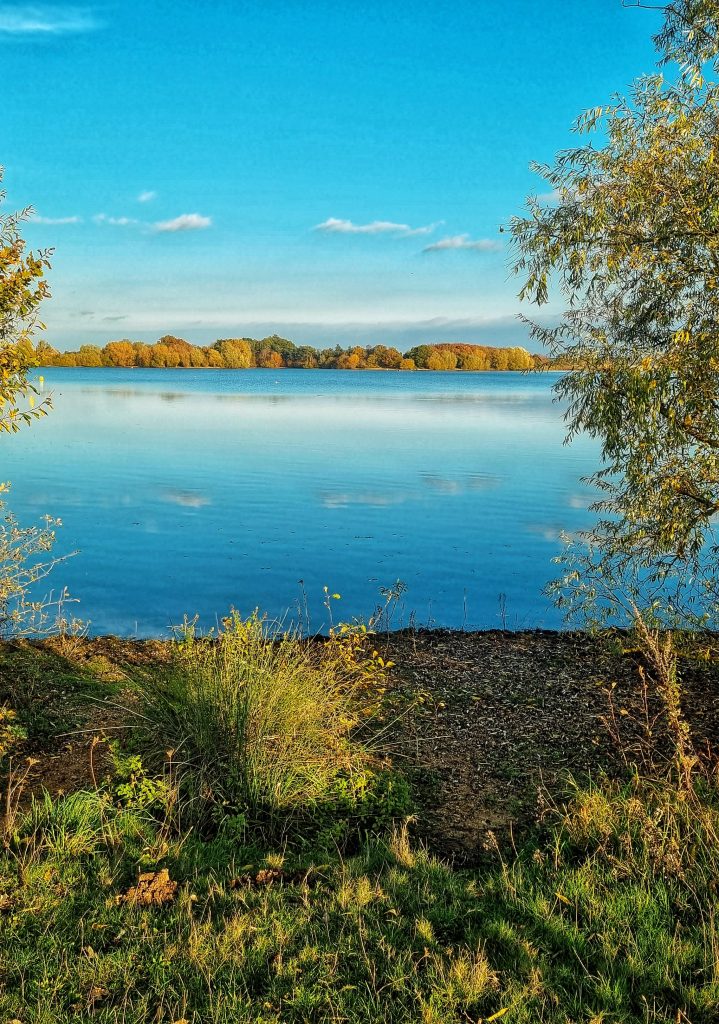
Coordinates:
x,y
190,491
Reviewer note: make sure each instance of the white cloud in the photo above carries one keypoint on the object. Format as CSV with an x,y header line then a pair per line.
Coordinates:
x,y
147,197
464,242
335,226
37,219
185,222
117,222
548,197
426,230
44,20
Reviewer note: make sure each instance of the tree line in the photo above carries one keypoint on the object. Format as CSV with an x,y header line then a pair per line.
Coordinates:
x,y
275,352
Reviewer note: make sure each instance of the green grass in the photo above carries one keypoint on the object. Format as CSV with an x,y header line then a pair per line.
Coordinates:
x,y
609,916
607,919
47,690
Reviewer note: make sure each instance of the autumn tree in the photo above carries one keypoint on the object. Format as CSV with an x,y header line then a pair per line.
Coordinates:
x,y
118,353
165,356
275,343
236,353
270,359
182,348
499,359
45,354
632,246
143,354
442,359
519,359
24,558
420,355
351,359
383,357
22,289
305,357
197,356
478,360
89,355
213,358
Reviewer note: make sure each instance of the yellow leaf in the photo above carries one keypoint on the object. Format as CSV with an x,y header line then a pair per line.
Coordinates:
x,y
498,1014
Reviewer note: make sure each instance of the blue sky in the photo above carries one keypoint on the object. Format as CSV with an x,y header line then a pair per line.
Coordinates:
x,y
332,171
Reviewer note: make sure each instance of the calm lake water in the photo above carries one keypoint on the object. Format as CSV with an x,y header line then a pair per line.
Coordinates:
x,y
191,491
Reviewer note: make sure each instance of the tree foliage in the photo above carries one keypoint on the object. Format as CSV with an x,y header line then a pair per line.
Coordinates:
x,y
275,353
632,246
24,558
22,288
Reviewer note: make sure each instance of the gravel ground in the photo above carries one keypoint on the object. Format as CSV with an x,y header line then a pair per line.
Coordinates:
x,y
495,723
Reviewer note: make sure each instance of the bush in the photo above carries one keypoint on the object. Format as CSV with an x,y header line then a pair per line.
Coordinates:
x,y
255,723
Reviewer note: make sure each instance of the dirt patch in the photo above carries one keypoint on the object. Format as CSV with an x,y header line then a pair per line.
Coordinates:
x,y
72,697
153,889
85,759
270,876
117,654
499,721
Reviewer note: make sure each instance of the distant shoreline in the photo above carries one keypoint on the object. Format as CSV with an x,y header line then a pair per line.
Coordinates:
x,y
275,353
299,369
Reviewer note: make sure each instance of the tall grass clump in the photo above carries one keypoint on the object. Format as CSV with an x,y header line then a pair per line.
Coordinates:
x,y
663,820
255,721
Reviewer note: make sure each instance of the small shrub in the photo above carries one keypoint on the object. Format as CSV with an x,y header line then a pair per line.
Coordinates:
x,y
133,786
11,733
649,828
25,561
366,802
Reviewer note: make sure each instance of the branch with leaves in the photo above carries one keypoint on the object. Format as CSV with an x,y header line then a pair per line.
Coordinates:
x,y
631,246
22,289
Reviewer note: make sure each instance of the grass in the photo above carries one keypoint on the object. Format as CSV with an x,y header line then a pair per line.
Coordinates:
x,y
603,920
116,908
47,689
259,725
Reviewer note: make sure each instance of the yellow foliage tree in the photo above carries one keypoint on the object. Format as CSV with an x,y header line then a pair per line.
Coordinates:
x,y
22,288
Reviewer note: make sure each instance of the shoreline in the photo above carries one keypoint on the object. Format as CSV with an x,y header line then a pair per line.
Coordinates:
x,y
302,369
487,725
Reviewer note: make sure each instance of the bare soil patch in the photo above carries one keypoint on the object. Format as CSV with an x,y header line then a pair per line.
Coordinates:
x,y
501,721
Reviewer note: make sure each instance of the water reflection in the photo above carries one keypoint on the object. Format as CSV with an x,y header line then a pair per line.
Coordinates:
x,y
378,500
187,499
476,482
188,491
